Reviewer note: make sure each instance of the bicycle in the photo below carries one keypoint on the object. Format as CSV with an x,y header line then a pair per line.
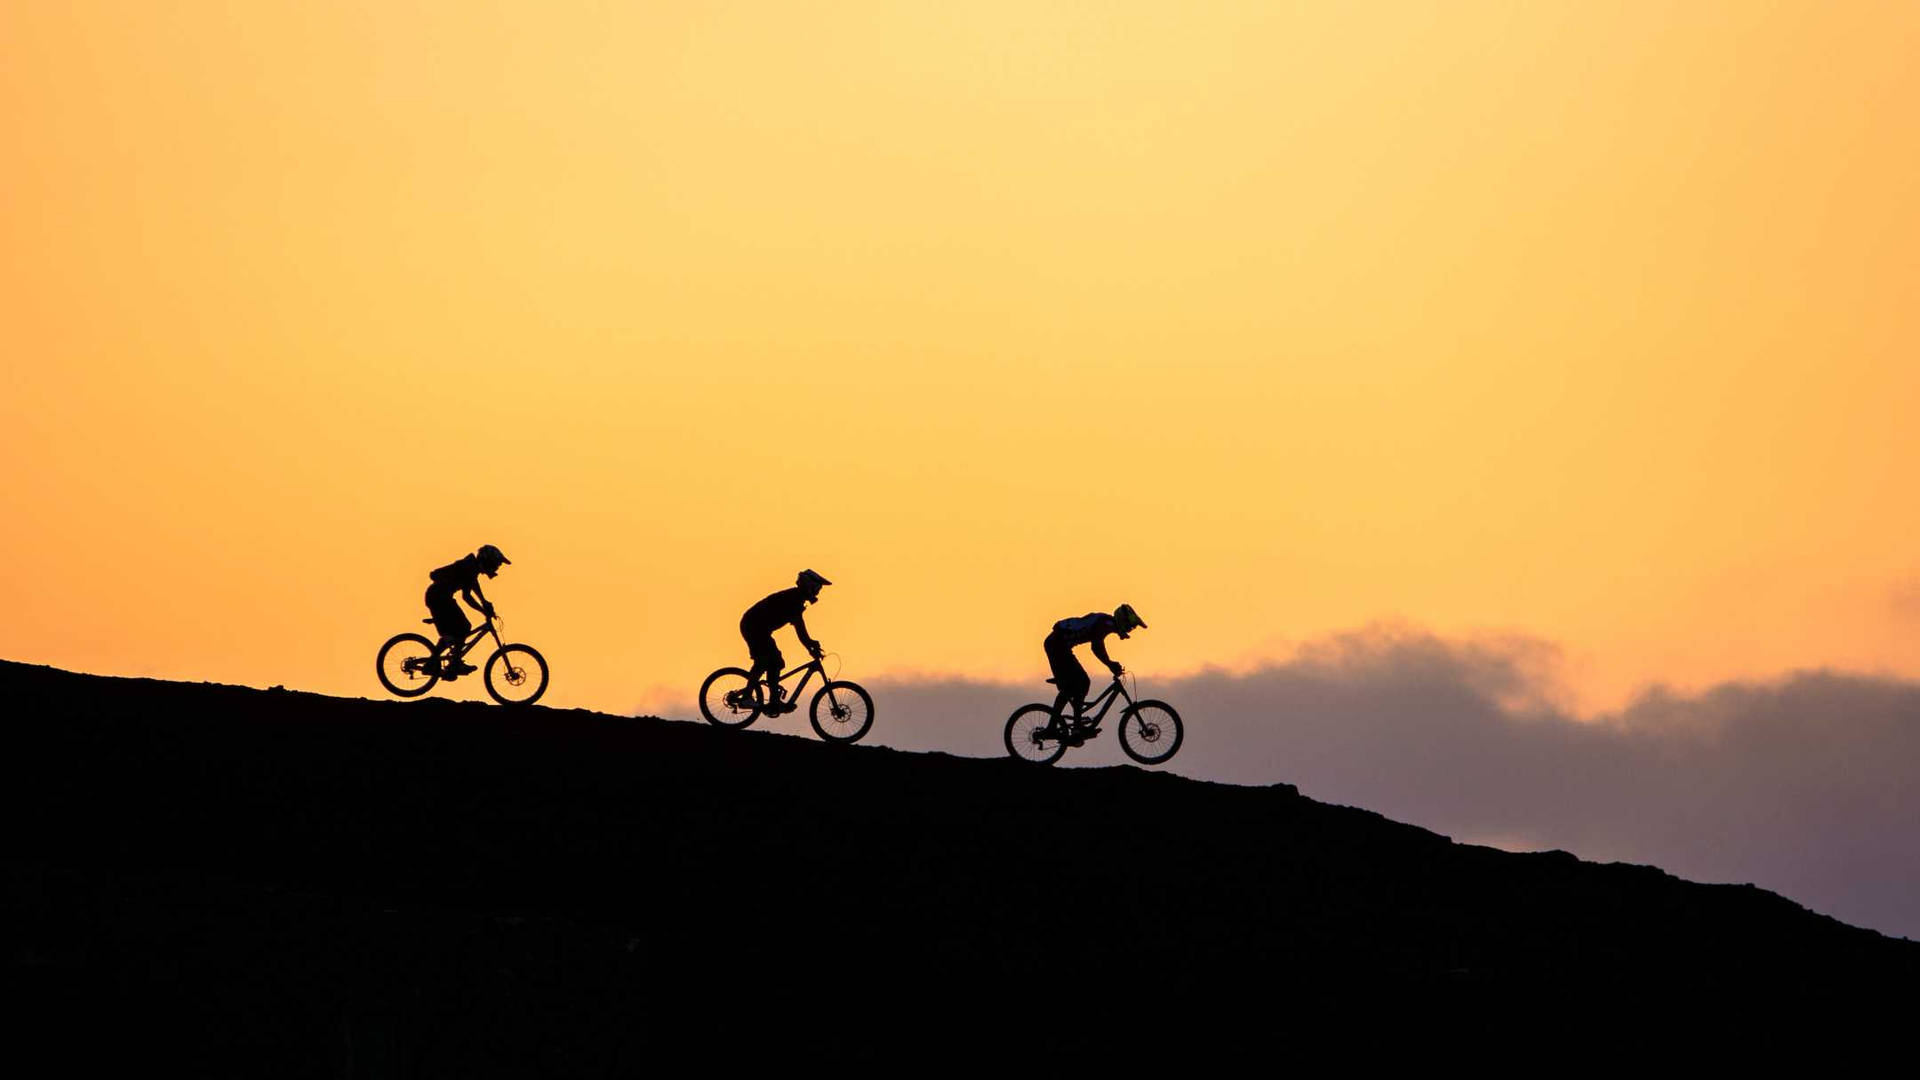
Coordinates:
x,y
733,698
514,675
1150,731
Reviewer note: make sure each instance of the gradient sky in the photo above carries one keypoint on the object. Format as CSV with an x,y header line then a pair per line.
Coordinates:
x,y
1593,323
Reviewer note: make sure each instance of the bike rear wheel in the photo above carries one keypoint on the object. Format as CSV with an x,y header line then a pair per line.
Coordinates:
x,y
406,665
516,675
1150,732
731,698
842,712
1023,736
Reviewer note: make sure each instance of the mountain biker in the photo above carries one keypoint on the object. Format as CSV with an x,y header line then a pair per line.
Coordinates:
x,y
770,614
462,575
1089,629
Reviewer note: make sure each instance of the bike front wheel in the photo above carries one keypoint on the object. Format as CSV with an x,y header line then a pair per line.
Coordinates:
x,y
842,712
1023,736
1150,732
516,675
406,665
731,698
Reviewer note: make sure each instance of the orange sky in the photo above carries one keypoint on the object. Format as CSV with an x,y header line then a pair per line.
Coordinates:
x,y
1591,322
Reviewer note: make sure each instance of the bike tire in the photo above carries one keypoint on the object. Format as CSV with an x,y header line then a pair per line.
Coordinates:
x,y
1150,732
849,713
516,684
1023,727
713,698
399,681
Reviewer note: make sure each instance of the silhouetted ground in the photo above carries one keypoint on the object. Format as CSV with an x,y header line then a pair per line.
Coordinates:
x,y
279,883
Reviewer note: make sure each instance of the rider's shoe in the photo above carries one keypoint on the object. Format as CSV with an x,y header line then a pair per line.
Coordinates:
x,y
775,703
1083,732
457,668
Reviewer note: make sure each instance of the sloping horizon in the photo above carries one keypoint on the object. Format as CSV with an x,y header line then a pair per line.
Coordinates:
x,y
283,878
1806,784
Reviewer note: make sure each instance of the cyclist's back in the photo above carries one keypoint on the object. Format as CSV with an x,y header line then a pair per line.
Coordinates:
x,y
461,573
1083,629
781,609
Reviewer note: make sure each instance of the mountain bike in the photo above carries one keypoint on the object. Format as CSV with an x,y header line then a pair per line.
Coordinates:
x,y
1150,731
515,674
841,711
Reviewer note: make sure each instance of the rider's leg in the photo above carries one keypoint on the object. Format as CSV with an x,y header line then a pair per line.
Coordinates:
x,y
767,660
456,659
768,673
1072,681
450,621
1058,722
1078,704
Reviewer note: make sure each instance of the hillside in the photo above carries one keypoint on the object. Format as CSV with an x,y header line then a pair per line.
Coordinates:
x,y
355,887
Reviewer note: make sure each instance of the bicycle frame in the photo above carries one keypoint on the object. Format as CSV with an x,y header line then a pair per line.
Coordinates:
x,y
1105,699
809,667
473,638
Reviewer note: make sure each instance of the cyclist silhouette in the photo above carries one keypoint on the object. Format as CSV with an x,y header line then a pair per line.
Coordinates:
x,y
762,619
1089,629
461,575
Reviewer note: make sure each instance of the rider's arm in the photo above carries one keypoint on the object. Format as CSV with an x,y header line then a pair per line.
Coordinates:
x,y
1100,653
477,600
806,639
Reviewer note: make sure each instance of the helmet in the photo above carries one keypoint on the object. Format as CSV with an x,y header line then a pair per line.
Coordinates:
x,y
1128,619
491,560
807,579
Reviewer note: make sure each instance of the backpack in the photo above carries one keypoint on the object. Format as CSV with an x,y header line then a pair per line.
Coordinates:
x,y
1077,624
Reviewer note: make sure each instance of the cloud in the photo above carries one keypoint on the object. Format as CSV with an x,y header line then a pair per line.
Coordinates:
x,y
1808,785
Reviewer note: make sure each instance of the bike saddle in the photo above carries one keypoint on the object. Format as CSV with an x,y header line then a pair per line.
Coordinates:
x,y
1056,682
428,621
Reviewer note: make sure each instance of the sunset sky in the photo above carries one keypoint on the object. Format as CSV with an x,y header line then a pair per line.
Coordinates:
x,y
1593,325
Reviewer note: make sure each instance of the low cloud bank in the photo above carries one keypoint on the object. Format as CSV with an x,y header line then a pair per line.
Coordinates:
x,y
1808,785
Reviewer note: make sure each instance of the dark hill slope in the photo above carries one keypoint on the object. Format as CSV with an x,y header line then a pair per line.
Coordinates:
x,y
372,888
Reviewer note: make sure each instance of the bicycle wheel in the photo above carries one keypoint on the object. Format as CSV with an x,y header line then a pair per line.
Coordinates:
x,y
1150,732
731,698
405,665
847,715
516,675
1023,736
